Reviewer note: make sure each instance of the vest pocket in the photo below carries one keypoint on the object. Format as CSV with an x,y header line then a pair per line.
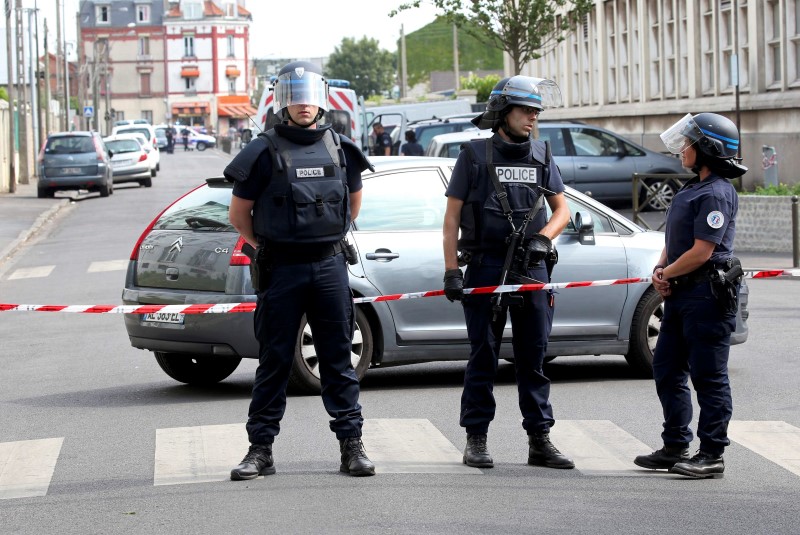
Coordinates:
x,y
319,209
496,227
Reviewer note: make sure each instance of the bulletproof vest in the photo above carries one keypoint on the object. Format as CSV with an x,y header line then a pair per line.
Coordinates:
x,y
306,200
520,171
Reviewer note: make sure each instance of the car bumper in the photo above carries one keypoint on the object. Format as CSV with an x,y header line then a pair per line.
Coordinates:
x,y
124,175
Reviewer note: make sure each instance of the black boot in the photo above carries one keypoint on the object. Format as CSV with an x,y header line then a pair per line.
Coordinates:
x,y
702,465
257,462
542,453
664,458
476,453
354,459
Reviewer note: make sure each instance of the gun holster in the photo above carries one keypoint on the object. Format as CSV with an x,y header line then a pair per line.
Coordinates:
x,y
725,285
260,267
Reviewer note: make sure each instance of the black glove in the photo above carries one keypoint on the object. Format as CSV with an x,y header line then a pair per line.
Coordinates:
x,y
538,248
454,284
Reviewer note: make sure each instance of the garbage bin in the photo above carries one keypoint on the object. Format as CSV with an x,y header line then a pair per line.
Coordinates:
x,y
770,165
225,142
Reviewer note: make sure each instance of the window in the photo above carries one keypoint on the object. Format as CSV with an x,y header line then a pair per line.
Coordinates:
x,y
188,45
593,143
144,46
147,115
232,86
118,115
230,8
142,13
144,84
192,9
231,51
423,204
189,84
102,14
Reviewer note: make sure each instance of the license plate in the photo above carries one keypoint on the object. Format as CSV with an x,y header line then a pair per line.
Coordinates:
x,y
71,171
165,317
120,163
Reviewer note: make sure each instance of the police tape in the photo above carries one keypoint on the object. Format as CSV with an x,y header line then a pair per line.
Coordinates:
x,y
226,308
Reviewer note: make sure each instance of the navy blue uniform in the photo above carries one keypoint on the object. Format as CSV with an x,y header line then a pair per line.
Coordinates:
x,y
695,332
307,278
531,322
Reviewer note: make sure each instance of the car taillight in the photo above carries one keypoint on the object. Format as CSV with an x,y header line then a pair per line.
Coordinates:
x,y
101,157
41,152
143,157
135,252
238,258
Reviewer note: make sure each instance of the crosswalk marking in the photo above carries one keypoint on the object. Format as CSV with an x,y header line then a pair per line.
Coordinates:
x,y
411,446
198,454
599,447
26,467
778,442
32,272
110,265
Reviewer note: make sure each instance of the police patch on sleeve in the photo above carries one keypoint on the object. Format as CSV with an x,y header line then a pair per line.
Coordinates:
x,y
715,219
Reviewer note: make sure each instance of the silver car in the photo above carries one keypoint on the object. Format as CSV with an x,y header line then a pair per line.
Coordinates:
x,y
75,161
191,255
129,161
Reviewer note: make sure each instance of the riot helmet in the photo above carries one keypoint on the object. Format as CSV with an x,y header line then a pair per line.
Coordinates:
x,y
299,82
715,138
538,93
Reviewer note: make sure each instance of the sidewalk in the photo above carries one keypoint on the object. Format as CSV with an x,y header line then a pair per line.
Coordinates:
x,y
22,215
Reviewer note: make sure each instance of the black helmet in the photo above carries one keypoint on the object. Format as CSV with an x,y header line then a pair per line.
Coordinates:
x,y
537,93
715,137
299,82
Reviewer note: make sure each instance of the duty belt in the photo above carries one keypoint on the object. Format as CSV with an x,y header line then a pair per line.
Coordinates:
x,y
701,274
283,254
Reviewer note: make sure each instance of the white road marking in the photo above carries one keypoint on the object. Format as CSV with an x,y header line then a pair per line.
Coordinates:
x,y
198,454
411,446
778,442
27,466
599,447
110,265
31,273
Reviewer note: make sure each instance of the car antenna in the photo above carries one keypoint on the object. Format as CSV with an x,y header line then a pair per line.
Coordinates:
x,y
255,124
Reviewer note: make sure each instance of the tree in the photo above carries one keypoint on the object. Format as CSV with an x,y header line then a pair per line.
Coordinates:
x,y
3,94
370,70
525,29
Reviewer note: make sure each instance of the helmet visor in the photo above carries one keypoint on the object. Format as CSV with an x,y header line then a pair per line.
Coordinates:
x,y
681,134
537,92
300,87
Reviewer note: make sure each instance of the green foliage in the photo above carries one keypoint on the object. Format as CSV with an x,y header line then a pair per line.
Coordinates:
x,y
483,85
369,69
431,49
526,29
3,94
780,189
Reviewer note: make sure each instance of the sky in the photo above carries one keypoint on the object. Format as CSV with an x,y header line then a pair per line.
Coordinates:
x,y
278,35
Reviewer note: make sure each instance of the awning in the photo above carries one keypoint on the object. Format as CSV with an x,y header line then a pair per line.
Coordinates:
x,y
190,72
236,111
232,72
185,109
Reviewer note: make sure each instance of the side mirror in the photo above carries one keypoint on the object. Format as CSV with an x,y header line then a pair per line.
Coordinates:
x,y
585,226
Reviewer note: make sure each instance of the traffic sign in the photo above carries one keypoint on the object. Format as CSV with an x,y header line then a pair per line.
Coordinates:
x,y
88,111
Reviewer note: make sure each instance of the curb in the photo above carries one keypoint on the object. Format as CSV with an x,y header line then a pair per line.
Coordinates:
x,y
28,233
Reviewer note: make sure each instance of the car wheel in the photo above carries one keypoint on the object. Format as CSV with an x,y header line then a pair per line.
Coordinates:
x,y
45,193
158,166
304,376
645,327
203,370
105,190
201,146
665,191
152,173
147,182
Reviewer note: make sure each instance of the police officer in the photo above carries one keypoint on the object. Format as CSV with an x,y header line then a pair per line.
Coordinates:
x,y
495,198
383,141
700,298
297,188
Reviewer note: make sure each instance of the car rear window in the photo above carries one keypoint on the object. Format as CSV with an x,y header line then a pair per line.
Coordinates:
x,y
203,209
69,145
123,145
144,131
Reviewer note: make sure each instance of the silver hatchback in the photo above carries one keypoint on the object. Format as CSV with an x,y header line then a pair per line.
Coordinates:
x,y
190,254
74,161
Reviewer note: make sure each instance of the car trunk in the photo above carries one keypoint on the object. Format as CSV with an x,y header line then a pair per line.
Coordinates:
x,y
70,164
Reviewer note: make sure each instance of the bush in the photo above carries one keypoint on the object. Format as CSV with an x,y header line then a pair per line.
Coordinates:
x,y
483,85
781,189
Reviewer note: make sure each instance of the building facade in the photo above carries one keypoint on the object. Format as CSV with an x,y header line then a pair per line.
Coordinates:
x,y
637,66
181,62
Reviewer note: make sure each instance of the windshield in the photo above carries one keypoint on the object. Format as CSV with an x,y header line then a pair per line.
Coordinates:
x,y
69,145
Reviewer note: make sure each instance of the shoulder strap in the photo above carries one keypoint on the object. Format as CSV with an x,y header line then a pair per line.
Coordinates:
x,y
333,145
272,139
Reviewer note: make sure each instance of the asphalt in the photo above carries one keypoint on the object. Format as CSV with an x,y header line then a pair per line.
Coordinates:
x,y
23,215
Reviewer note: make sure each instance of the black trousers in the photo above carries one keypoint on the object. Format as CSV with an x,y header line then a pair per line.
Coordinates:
x,y
321,291
530,328
694,342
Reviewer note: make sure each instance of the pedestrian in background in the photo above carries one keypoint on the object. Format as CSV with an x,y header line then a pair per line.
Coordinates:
x,y
698,277
300,268
170,139
495,200
185,136
411,147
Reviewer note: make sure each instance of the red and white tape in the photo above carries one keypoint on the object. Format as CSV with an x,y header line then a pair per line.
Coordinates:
x,y
225,308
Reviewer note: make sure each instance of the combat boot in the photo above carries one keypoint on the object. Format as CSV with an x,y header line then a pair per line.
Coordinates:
x,y
476,453
663,459
542,453
354,459
702,465
257,462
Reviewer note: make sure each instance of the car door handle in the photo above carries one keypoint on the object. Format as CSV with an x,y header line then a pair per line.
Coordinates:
x,y
382,255
583,166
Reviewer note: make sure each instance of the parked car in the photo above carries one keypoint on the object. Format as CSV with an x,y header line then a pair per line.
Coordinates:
x,y
149,133
425,130
153,155
129,161
74,161
593,160
161,138
197,140
191,254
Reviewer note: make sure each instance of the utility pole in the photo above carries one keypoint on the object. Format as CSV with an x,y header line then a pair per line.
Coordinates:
x,y
47,96
33,81
403,64
59,75
81,73
23,174
12,171
66,76
455,58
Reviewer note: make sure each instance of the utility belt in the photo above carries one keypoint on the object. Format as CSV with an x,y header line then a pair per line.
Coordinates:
x,y
725,278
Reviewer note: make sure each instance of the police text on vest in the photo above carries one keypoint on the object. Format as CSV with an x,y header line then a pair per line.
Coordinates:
x,y
310,172
526,175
